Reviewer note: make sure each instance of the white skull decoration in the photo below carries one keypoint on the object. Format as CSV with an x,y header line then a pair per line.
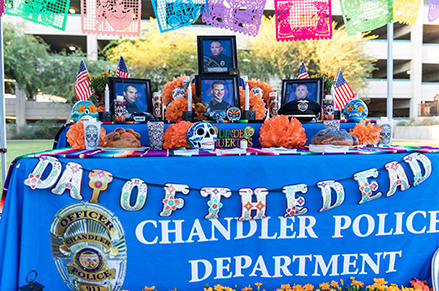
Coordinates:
x,y
258,91
201,135
178,93
386,134
92,135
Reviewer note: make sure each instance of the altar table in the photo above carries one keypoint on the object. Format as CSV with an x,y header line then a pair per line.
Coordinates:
x,y
282,219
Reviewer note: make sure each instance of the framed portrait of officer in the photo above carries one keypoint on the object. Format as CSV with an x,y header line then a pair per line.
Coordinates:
x,y
216,54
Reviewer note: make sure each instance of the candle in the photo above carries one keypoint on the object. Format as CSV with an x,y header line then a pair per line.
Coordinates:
x,y
243,144
247,92
107,98
189,98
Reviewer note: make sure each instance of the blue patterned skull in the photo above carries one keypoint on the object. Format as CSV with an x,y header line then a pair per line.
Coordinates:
x,y
356,110
201,135
82,108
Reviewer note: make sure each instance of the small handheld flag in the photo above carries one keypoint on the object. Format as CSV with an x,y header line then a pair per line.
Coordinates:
x,y
82,86
343,93
122,70
303,74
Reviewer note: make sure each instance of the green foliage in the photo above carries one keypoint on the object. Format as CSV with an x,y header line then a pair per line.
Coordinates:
x,y
43,129
267,57
157,56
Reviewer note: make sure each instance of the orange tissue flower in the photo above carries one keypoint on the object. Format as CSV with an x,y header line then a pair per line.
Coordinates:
x,y
175,109
366,133
279,132
175,135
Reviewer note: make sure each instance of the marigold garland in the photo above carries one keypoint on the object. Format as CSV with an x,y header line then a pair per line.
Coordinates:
x,y
75,136
175,109
255,103
366,133
175,135
279,132
170,87
264,86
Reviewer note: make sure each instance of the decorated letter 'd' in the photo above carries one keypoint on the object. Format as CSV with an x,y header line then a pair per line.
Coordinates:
x,y
34,179
326,187
412,160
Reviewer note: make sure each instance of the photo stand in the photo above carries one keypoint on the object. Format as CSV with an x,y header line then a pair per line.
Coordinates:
x,y
188,115
249,115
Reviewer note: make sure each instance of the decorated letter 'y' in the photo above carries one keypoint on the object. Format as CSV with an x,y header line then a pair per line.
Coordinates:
x,y
247,206
170,203
34,179
326,187
215,200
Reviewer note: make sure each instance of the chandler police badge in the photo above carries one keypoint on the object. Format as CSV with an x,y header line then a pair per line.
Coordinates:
x,y
88,247
302,105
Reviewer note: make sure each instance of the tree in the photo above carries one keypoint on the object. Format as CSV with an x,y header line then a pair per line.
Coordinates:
x,y
157,56
265,57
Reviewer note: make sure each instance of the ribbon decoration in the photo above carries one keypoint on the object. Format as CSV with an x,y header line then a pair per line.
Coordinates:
x,y
242,16
46,12
121,17
433,10
406,11
302,20
173,15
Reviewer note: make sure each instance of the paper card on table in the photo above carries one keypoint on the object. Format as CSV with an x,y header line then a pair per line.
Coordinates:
x,y
233,151
328,148
279,150
186,152
304,19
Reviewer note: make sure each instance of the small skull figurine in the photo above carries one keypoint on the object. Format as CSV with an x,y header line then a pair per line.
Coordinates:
x,y
386,134
258,91
178,93
201,135
219,116
355,110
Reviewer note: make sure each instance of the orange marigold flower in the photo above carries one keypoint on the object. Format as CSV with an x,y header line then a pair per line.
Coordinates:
x,y
357,283
380,281
367,134
308,287
262,85
325,286
218,287
209,289
278,131
149,288
175,109
95,77
258,284
246,289
286,286
228,289
175,135
297,287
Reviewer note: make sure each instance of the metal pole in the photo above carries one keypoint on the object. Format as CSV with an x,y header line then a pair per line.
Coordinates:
x,y
390,70
2,108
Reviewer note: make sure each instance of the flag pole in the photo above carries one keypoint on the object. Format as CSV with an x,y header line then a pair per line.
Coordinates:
x,y
390,70
2,109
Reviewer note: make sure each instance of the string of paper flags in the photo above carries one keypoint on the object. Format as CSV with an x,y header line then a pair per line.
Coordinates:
x,y
295,19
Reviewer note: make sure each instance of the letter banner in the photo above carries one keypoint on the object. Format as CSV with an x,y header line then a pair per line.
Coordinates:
x,y
184,222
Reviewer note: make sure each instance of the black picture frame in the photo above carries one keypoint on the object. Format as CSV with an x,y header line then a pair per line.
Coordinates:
x,y
221,64
203,88
143,86
314,86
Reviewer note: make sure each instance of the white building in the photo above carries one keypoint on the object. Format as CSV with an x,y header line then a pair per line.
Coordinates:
x,y
416,54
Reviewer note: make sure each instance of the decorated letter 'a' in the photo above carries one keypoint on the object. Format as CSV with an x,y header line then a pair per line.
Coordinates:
x,y
99,180
362,16
366,187
236,15
406,11
179,13
303,19
294,204
412,160
49,12
433,10
70,180
170,203
106,17
397,177
34,179
214,202
326,187
247,206
125,196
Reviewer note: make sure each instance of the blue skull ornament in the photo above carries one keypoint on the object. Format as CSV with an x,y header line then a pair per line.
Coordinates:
x,y
202,136
82,108
356,110
219,116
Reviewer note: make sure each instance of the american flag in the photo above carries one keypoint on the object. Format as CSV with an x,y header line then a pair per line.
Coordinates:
x,y
82,88
303,74
343,93
122,70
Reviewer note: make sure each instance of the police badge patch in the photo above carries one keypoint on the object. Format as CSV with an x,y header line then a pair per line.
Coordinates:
x,y
89,247
302,105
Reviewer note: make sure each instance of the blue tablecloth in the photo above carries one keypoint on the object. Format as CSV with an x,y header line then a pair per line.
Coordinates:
x,y
311,129
166,238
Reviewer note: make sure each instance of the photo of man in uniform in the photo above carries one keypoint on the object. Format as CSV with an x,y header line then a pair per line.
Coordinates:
x,y
131,94
301,91
217,103
217,62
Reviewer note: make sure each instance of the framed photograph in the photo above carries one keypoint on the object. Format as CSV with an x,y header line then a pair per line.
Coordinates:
x,y
302,88
136,92
216,54
219,92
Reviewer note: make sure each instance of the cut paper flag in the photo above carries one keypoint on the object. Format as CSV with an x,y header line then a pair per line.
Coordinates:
x,y
343,92
173,15
2,7
242,16
362,16
122,70
303,19
433,10
49,13
121,17
406,11
82,86
303,73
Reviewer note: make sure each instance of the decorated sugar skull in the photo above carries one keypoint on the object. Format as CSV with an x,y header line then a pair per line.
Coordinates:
x,y
92,133
219,116
258,91
201,135
355,110
386,134
82,108
178,93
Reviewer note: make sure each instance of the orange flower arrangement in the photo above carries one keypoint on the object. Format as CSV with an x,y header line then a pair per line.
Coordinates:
x,y
169,88
100,109
264,86
366,133
279,132
75,136
174,111
255,103
175,135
